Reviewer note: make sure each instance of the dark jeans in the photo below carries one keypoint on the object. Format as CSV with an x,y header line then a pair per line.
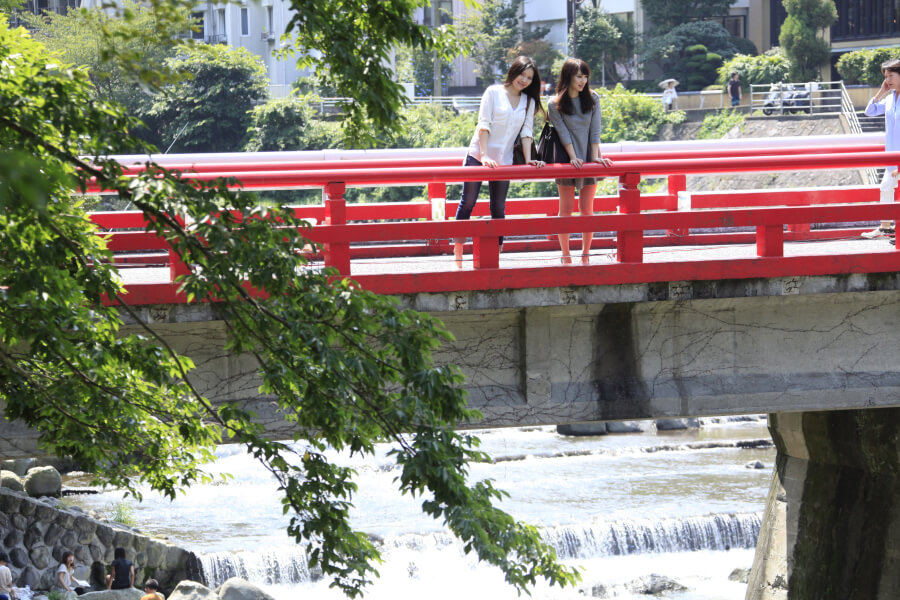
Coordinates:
x,y
497,190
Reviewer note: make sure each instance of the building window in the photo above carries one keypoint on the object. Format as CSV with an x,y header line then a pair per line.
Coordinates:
x,y
445,9
735,24
245,21
862,19
198,25
270,20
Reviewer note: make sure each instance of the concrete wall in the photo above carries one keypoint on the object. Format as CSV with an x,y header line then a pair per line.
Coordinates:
x,y
604,353
832,522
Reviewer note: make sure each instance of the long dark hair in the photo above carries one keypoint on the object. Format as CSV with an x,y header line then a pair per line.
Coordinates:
x,y
571,68
533,91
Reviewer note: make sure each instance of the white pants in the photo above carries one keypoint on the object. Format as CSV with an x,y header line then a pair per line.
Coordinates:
x,y
888,185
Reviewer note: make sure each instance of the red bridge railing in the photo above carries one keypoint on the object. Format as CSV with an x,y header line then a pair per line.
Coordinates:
x,y
637,221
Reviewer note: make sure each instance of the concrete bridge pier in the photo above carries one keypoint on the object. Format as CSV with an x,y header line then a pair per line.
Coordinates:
x,y
831,528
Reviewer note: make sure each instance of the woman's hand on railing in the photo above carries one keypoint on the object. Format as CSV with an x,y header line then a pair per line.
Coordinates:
x,y
489,162
576,162
603,161
536,163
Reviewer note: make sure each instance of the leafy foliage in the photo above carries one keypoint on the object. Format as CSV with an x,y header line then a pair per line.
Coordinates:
x,y
210,111
771,67
628,115
801,36
670,50
602,41
349,43
864,66
494,31
666,14
417,66
701,66
348,367
717,124
81,35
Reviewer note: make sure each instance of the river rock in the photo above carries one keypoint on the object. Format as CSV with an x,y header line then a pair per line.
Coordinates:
x,y
238,589
581,429
598,590
43,481
623,427
19,466
740,575
755,464
129,594
654,585
676,424
11,480
191,590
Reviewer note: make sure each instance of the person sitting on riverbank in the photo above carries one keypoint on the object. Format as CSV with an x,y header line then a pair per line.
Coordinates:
x,y
6,582
152,589
98,579
65,576
121,572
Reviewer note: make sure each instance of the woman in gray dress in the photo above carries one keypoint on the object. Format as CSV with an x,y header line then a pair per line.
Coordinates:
x,y
575,113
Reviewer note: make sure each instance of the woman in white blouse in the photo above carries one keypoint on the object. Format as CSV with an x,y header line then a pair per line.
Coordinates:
x,y
506,112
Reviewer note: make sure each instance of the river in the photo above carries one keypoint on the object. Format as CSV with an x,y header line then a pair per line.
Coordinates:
x,y
682,504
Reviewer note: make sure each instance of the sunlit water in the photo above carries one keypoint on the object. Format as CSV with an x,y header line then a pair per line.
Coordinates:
x,y
618,506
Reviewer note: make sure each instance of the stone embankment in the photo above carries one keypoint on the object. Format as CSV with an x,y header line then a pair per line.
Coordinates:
x,y
35,533
764,127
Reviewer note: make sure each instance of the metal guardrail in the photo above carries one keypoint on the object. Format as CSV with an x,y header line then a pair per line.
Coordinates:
x,y
814,97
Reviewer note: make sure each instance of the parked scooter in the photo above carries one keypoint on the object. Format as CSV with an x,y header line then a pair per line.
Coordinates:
x,y
787,99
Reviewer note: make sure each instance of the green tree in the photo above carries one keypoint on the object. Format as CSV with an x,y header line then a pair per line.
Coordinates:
x,y
602,41
801,36
670,50
494,31
701,66
349,44
79,37
628,115
771,67
210,110
666,14
348,367
415,65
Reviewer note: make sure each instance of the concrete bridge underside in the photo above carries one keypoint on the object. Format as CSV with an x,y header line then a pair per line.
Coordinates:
x,y
817,353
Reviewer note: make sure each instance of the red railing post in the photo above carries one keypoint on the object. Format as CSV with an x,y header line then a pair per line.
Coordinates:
x,y
177,266
770,240
630,244
437,197
677,183
336,255
485,251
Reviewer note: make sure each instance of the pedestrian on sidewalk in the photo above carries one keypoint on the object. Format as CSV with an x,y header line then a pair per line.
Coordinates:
x,y
734,89
885,103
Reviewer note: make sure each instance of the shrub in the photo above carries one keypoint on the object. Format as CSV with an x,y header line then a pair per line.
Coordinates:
x,y
717,124
628,115
864,66
771,67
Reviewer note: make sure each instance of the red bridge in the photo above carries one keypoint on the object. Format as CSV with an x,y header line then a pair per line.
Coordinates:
x,y
399,248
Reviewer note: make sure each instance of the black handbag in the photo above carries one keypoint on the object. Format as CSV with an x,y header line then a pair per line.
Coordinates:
x,y
519,155
550,148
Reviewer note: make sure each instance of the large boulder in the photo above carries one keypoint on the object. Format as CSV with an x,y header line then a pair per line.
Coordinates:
x,y
625,427
654,585
191,590
11,480
43,481
19,466
677,424
129,594
238,589
581,429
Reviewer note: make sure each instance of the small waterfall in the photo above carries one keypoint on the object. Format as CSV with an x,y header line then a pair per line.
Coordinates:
x,y
286,565
709,532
